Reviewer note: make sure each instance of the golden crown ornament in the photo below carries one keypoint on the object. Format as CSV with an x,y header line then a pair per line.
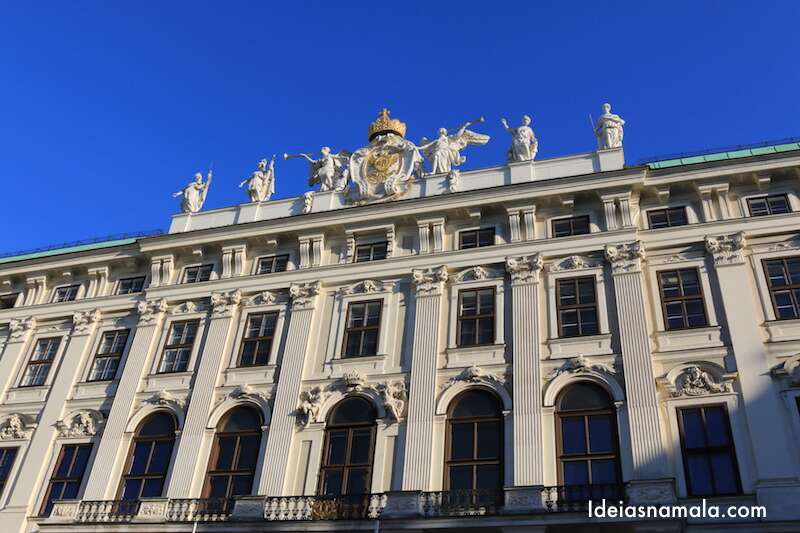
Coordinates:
x,y
385,124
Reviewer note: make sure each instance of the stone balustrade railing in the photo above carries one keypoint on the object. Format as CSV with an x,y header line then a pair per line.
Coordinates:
x,y
199,509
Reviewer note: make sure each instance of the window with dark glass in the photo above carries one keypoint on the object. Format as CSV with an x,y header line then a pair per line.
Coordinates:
x,y
475,317
66,294
783,280
349,445
67,476
257,342
149,458
130,285
371,252
667,218
709,459
362,329
197,274
576,303
234,456
564,227
682,299
109,353
7,301
273,263
586,435
476,238
7,456
768,205
474,452
44,352
178,348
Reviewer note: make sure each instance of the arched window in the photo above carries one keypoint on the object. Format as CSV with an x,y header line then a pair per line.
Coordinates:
x,y
474,456
232,465
588,452
349,445
148,460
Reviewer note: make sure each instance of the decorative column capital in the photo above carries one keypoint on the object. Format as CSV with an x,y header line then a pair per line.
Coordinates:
x,y
429,281
304,294
524,269
83,322
223,304
20,328
726,249
626,257
151,310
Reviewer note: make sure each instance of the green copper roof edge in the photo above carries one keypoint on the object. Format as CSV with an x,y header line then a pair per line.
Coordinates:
x,y
718,156
68,250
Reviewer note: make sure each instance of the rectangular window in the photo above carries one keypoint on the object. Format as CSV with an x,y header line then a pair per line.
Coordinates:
x,y
682,299
66,294
7,456
709,460
576,305
109,353
178,348
7,301
67,476
783,280
197,274
273,263
362,329
477,238
475,317
564,227
44,352
667,218
257,342
371,252
768,205
130,285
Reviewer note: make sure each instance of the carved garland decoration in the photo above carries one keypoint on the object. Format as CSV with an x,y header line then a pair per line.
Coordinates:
x,y
578,365
16,427
84,423
694,381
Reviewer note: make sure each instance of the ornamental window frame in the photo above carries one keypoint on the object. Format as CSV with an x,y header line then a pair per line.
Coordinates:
x,y
97,344
752,193
597,271
7,296
666,209
276,306
477,230
578,213
767,197
55,462
680,272
212,275
79,292
166,329
274,257
54,362
757,260
371,246
360,330
653,278
118,284
495,279
21,448
361,235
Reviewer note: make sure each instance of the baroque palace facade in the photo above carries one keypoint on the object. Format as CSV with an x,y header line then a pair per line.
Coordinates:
x,y
481,350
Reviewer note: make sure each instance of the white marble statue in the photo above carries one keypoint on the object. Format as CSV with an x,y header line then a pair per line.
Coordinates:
x,y
524,143
329,171
609,129
261,183
444,152
308,202
194,194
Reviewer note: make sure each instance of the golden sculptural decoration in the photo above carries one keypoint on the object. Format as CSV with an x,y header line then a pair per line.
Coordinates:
x,y
385,124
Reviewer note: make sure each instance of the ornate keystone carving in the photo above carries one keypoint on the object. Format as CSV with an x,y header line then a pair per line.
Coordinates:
x,y
164,398
85,423
186,307
367,286
473,374
224,303
574,262
310,402
354,380
726,249
262,298
20,328
626,257
694,381
429,281
15,427
477,273
303,295
151,310
576,365
524,269
394,396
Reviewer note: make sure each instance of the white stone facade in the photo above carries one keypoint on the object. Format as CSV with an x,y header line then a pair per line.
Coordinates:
x,y
744,357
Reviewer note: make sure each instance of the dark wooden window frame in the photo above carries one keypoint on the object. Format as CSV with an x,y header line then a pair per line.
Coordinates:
x,y
449,461
236,455
72,290
347,466
790,287
194,272
69,478
9,300
766,198
560,307
561,457
667,211
460,319
477,233
4,451
133,280
41,362
359,329
371,246
708,450
180,345
682,299
258,340
100,356
274,263
129,459
571,221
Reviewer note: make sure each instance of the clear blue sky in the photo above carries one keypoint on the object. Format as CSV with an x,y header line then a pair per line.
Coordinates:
x,y
108,107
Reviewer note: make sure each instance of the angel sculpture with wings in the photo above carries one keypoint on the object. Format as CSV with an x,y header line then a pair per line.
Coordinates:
x,y
444,152
328,171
